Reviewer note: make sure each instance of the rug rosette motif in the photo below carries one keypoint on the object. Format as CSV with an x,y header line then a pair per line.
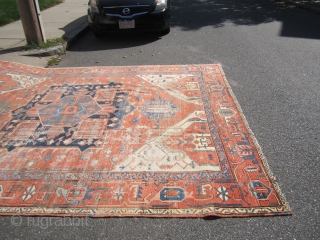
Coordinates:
x,y
151,141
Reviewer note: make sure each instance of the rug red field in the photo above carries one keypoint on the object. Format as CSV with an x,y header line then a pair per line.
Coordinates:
x,y
150,141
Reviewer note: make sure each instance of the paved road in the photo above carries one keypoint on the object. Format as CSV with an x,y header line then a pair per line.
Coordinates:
x,y
270,53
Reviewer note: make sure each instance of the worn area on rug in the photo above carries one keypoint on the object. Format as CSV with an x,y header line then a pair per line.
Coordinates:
x,y
151,141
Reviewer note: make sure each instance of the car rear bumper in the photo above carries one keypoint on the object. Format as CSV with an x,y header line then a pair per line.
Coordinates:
x,y
148,22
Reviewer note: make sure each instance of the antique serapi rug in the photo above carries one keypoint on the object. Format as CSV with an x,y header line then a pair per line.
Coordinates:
x,y
144,141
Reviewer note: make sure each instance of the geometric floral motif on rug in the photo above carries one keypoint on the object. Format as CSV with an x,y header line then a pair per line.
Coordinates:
x,y
151,141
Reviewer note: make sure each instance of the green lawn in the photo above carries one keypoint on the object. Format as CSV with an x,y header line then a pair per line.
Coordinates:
x,y
9,11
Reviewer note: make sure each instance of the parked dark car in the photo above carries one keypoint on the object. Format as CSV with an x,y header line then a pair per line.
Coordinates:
x,y
107,16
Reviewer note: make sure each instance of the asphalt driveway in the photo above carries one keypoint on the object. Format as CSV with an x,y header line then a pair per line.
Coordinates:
x,y
270,53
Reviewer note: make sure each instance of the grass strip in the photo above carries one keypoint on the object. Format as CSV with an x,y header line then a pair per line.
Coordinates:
x,y
9,10
49,43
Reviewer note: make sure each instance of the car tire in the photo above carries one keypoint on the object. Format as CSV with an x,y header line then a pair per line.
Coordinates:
x,y
165,31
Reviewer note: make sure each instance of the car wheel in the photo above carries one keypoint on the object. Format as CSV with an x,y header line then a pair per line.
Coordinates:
x,y
166,31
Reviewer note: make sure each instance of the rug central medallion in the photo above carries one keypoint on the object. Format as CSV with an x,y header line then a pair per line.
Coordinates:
x,y
130,141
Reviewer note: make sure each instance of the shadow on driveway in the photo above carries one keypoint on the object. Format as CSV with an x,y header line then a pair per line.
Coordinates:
x,y
192,15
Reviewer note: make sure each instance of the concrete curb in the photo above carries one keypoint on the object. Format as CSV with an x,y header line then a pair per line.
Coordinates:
x,y
301,5
71,38
45,52
76,34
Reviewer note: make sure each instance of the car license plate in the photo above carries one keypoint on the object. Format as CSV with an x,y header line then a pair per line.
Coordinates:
x,y
125,24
